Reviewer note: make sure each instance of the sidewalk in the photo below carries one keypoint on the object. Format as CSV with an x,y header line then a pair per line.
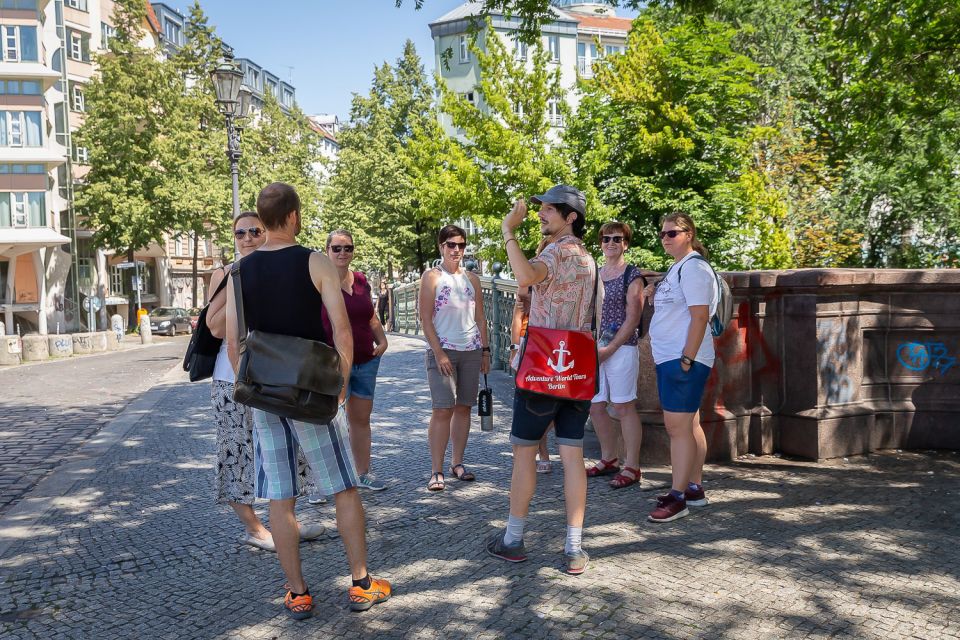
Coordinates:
x,y
126,542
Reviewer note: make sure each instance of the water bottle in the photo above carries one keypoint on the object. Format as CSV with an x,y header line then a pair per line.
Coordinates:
x,y
607,334
485,406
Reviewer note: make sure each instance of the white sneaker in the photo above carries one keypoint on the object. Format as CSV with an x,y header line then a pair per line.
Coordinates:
x,y
367,481
260,543
316,500
311,531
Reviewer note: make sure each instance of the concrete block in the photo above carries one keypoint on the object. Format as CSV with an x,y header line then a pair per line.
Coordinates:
x,y
99,341
82,343
60,346
35,348
10,350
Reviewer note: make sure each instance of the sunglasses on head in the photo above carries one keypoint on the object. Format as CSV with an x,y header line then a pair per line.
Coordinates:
x,y
673,233
455,245
255,232
337,248
614,239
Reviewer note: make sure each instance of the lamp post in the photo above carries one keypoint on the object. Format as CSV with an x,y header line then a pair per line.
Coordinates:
x,y
233,102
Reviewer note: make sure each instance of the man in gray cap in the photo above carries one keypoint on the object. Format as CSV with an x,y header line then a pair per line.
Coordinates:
x,y
561,280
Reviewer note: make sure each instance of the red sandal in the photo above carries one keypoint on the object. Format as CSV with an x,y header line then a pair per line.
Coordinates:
x,y
603,468
622,480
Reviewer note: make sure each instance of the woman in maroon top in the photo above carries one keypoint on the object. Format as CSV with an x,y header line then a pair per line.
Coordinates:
x,y
369,343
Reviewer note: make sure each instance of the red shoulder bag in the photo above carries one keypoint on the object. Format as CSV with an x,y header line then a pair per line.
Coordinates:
x,y
561,363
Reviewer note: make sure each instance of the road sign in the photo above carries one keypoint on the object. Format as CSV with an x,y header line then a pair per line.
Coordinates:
x,y
92,303
129,265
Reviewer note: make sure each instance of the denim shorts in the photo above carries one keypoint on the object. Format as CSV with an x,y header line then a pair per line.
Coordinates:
x,y
363,379
681,391
533,413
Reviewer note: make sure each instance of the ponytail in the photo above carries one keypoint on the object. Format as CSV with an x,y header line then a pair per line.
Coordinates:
x,y
685,222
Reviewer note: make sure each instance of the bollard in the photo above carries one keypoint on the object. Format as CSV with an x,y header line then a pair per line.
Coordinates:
x,y
82,344
60,346
10,350
35,348
116,326
146,336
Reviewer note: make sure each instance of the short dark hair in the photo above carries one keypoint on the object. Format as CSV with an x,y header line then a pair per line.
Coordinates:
x,y
615,226
275,202
245,214
338,232
578,224
451,231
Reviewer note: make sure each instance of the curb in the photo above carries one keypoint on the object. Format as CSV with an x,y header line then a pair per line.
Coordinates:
x,y
51,492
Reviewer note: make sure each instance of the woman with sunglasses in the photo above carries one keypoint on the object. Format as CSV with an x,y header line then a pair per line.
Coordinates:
x,y
235,446
619,359
451,312
369,343
683,353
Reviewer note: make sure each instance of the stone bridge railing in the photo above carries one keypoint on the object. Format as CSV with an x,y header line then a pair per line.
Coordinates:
x,y
818,363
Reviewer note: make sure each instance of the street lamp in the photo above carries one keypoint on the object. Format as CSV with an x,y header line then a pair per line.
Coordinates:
x,y
233,102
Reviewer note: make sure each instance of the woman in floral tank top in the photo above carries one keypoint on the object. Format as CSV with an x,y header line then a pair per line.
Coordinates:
x,y
451,312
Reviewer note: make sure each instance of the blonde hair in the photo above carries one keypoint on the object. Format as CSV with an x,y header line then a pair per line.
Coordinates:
x,y
685,222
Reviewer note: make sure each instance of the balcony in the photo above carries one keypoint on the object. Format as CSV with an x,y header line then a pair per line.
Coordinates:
x,y
585,67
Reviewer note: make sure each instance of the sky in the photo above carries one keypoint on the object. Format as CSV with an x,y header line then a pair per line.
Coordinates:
x,y
326,48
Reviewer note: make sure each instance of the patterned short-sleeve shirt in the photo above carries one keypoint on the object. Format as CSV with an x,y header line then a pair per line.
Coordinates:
x,y
563,300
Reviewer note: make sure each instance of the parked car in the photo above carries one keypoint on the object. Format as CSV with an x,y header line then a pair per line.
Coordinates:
x,y
170,320
194,314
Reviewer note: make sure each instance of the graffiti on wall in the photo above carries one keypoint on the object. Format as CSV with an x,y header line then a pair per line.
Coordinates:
x,y
926,356
834,359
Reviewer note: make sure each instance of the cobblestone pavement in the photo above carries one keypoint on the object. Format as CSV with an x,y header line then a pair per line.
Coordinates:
x,y
49,409
137,549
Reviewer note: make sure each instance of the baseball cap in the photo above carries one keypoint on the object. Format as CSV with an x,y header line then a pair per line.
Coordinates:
x,y
564,194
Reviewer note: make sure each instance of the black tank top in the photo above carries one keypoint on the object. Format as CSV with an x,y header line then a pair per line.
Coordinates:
x,y
279,296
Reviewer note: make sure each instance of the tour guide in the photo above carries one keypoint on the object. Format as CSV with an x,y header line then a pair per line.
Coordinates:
x,y
562,279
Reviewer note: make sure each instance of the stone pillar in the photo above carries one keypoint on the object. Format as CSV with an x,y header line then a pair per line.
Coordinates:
x,y
146,335
35,348
11,297
82,343
115,339
60,346
41,272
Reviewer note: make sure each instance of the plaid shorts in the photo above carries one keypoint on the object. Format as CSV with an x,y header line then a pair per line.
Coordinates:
x,y
326,448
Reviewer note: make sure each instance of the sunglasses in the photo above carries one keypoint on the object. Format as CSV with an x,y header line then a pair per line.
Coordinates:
x,y
673,233
613,239
255,232
337,248
455,245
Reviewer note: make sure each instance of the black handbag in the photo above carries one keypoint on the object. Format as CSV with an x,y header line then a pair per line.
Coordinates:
x,y
285,375
201,356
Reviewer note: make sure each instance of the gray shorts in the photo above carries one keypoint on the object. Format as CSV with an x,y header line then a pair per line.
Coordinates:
x,y
462,386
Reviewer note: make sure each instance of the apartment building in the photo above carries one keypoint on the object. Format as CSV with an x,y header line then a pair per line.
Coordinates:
x,y
578,35
327,126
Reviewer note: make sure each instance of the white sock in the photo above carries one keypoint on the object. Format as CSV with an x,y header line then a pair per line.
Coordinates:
x,y
574,539
514,532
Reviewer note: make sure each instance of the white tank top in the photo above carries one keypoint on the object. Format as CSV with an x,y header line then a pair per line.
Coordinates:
x,y
222,370
454,306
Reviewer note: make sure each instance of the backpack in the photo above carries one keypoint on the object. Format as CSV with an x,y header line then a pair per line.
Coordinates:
x,y
721,317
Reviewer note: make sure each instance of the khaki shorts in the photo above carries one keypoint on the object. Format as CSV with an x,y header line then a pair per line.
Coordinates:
x,y
460,388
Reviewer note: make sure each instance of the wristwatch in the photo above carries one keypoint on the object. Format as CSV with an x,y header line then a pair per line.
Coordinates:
x,y
686,360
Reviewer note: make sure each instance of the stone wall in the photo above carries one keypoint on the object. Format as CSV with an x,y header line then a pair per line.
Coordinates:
x,y
823,363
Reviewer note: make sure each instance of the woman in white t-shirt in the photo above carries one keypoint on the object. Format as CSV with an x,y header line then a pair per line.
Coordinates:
x,y
682,347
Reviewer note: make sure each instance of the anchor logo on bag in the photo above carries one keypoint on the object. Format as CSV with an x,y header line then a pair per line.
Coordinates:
x,y
560,366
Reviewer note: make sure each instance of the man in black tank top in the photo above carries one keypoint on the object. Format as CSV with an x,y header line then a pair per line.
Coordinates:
x,y
285,286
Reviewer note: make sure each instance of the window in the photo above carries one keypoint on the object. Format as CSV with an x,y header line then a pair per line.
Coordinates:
x,y
519,50
272,87
19,43
553,46
585,57
464,49
81,155
22,168
23,209
76,4
517,108
76,46
253,78
612,48
85,273
116,280
171,30
178,246
470,97
554,113
106,34
20,87
76,99
18,4
20,129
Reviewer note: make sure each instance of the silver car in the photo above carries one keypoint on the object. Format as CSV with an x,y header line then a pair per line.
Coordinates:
x,y
169,320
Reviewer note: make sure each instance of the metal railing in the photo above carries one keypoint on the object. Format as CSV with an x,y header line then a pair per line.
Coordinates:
x,y
499,296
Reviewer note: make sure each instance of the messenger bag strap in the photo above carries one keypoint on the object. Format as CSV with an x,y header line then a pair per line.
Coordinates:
x,y
596,294
238,298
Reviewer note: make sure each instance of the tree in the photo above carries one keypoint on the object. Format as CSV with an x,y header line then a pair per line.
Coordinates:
x,y
129,103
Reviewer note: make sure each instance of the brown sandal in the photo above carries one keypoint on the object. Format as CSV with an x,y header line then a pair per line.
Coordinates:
x,y
464,475
436,482
603,468
622,480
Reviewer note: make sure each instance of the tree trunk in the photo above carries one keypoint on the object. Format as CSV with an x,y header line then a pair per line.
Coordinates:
x,y
132,298
196,254
418,227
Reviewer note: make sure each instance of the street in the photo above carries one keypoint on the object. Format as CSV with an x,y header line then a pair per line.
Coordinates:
x,y
49,409
132,545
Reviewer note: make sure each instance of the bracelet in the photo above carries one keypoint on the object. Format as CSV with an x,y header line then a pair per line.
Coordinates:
x,y
506,241
686,360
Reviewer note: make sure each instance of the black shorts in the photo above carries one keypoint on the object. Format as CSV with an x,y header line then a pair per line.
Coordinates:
x,y
533,413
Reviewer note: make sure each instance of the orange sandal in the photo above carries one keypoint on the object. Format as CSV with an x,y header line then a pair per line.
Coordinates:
x,y
622,480
603,468
299,607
